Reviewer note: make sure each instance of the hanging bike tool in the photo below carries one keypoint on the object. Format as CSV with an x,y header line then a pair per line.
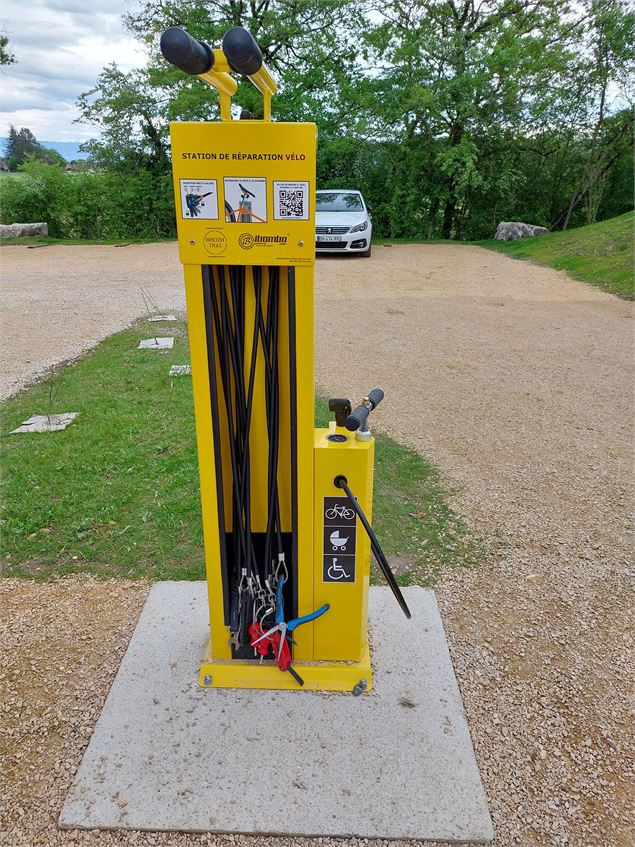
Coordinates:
x,y
282,502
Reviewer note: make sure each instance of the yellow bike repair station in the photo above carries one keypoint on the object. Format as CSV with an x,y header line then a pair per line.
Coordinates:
x,y
286,507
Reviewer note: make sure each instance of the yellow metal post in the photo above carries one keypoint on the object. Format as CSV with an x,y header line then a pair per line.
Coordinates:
x,y
246,222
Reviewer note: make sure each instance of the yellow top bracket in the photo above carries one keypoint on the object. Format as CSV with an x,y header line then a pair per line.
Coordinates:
x,y
240,54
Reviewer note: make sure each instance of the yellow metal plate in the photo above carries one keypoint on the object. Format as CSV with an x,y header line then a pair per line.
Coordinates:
x,y
245,192
318,676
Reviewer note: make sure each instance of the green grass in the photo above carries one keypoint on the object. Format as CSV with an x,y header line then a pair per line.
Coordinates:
x,y
601,254
117,492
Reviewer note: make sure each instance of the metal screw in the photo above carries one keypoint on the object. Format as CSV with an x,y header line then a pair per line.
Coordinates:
x,y
300,243
207,679
192,241
361,686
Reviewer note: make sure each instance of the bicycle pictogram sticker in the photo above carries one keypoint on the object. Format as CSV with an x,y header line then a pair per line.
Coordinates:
x,y
339,510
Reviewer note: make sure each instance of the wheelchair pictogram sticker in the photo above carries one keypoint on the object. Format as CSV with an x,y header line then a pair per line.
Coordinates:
x,y
340,540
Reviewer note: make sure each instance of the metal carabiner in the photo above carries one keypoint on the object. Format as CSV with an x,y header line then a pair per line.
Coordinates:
x,y
243,581
267,612
281,564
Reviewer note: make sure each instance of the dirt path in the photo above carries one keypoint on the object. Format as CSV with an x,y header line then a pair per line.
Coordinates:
x,y
517,382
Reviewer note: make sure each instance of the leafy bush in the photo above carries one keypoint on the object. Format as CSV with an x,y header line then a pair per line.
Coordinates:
x,y
93,205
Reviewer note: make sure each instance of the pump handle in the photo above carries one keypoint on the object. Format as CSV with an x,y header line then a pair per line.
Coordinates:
x,y
357,419
242,51
375,397
184,52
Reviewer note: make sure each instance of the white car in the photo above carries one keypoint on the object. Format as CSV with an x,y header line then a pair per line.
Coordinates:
x,y
342,222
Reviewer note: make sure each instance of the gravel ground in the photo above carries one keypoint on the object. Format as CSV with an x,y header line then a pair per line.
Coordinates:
x,y
74,297
518,382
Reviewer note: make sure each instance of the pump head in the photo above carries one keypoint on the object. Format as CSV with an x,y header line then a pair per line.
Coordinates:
x,y
342,409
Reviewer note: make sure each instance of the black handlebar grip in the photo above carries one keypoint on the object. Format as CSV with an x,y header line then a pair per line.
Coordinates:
x,y
375,396
357,419
184,52
242,51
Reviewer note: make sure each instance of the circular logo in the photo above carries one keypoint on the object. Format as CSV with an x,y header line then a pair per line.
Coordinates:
x,y
246,240
215,242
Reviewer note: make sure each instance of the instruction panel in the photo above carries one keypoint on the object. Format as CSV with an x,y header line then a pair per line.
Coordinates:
x,y
245,190
245,200
199,199
291,201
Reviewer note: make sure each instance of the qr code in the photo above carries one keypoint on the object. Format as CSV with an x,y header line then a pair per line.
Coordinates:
x,y
291,203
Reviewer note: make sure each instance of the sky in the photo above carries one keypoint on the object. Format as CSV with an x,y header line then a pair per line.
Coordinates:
x,y
60,47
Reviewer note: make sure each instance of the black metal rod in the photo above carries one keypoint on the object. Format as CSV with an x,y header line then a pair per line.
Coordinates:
x,y
293,426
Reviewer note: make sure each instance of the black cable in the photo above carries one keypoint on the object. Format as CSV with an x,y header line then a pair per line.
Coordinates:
x,y
293,433
245,401
274,282
217,299
269,338
234,425
250,384
223,355
212,342
229,318
227,304
341,482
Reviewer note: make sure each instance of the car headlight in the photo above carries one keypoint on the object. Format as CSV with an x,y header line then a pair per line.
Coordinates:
x,y
360,227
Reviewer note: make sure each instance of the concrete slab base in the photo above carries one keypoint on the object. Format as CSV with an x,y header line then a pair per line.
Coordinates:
x,y
394,763
156,318
156,344
180,370
46,423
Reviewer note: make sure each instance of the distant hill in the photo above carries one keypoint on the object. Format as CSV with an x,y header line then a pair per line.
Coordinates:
x,y
68,149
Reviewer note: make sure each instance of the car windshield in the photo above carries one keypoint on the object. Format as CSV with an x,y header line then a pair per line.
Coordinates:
x,y
338,201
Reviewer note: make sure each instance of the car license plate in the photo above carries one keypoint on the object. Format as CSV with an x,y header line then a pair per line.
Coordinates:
x,y
328,238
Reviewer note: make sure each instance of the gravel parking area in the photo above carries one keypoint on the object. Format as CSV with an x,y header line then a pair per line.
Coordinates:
x,y
518,382
59,301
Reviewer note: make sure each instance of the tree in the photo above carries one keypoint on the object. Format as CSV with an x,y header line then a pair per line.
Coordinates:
x,y
22,144
603,75
6,56
473,76
129,112
309,45
450,114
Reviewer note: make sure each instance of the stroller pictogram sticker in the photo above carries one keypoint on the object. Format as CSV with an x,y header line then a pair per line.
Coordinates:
x,y
338,542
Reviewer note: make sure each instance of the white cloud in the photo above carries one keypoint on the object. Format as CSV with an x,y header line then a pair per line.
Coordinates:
x,y
60,47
